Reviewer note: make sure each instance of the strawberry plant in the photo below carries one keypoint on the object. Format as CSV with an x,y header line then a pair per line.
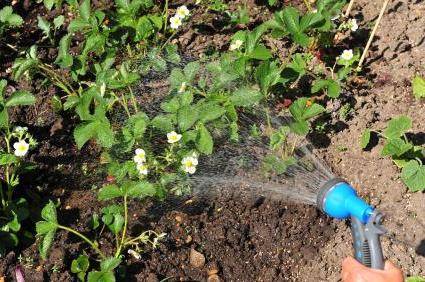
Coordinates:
x,y
17,142
9,19
404,153
102,54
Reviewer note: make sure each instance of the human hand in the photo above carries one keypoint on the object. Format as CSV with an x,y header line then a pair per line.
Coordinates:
x,y
354,271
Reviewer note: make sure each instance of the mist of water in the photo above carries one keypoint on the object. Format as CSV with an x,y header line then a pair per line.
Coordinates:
x,y
240,165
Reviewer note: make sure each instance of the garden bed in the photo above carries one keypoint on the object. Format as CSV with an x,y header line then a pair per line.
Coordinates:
x,y
229,236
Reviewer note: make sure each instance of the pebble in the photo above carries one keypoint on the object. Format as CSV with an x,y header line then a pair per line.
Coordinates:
x,y
196,258
213,278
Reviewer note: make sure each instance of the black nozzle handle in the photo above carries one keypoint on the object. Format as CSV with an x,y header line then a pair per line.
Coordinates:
x,y
367,242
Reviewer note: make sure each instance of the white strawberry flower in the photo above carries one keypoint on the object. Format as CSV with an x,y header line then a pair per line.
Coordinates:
x,y
236,45
142,169
140,156
20,129
175,22
182,12
134,254
189,164
183,87
21,148
352,24
347,55
173,137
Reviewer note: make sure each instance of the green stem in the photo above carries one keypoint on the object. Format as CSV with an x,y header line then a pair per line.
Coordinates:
x,y
133,99
9,187
124,103
165,15
88,241
3,203
168,40
124,231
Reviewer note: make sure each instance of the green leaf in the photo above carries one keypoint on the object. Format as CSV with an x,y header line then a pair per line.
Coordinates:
x,y
48,213
396,147
85,9
58,21
418,85
260,52
7,159
171,106
140,189
56,103
137,124
64,58
46,243
186,117
110,264
176,78
109,192
163,122
43,227
204,142
101,276
397,126
365,139
44,25
210,111
245,97
267,75
332,87
291,18
304,109
94,221
191,70
81,264
99,129
20,98
22,65
300,127
7,16
413,175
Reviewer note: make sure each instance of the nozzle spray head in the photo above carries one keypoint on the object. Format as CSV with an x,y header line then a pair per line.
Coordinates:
x,y
338,199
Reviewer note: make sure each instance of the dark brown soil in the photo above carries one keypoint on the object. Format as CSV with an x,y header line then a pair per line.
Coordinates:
x,y
243,238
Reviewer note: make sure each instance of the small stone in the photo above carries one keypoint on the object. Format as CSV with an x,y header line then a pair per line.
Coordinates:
x,y
39,268
212,271
188,239
196,258
178,218
68,207
213,278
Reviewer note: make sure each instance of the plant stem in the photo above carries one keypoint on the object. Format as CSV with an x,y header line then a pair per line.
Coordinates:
x,y
93,245
3,203
125,105
350,6
372,35
133,99
165,15
124,231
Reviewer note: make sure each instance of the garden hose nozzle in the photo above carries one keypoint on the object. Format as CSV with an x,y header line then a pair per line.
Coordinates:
x,y
338,199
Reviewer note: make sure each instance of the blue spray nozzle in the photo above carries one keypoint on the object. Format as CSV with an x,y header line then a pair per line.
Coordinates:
x,y
338,199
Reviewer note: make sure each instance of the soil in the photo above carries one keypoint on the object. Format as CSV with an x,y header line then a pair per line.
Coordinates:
x,y
245,238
